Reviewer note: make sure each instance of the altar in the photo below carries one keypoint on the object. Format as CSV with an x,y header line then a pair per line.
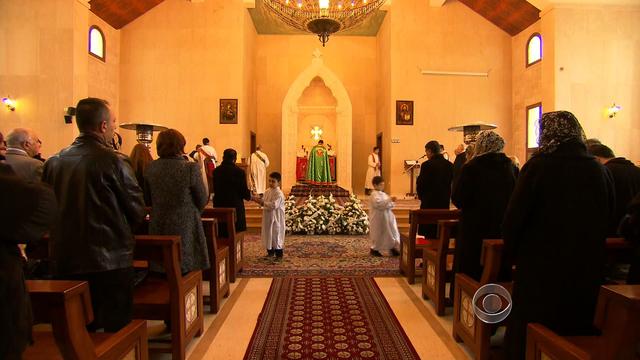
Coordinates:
x,y
301,168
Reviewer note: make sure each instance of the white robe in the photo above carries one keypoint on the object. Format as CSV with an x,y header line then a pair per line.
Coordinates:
x,y
259,172
211,152
373,169
273,226
383,228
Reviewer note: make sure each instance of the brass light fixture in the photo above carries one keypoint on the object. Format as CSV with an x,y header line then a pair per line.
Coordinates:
x,y
144,132
322,17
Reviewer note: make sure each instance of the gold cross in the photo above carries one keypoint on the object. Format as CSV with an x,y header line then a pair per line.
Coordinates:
x,y
316,132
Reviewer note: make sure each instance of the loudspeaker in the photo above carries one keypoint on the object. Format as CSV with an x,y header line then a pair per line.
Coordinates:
x,y
69,113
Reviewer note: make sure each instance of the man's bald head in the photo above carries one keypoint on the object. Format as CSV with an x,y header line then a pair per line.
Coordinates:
x,y
24,139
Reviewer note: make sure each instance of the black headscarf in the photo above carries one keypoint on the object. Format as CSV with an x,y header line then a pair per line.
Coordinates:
x,y
558,127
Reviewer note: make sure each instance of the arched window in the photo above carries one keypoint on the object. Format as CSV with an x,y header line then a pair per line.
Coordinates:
x,y
96,42
534,49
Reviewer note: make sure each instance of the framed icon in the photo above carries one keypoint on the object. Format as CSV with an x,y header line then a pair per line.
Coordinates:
x,y
228,111
404,112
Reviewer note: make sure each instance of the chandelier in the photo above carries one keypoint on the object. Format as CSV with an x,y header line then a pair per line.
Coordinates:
x,y
322,17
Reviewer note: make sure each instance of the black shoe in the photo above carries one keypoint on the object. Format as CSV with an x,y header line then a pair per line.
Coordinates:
x,y
271,253
279,253
395,252
374,253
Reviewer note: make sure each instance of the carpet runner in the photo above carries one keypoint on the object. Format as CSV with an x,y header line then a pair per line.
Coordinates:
x,y
307,255
328,318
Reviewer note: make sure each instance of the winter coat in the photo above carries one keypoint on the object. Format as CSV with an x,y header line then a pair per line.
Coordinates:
x,y
555,228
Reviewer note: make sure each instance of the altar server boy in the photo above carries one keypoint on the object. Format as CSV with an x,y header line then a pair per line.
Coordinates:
x,y
273,226
383,228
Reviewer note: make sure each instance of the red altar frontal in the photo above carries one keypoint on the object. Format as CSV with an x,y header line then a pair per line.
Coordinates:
x,y
301,168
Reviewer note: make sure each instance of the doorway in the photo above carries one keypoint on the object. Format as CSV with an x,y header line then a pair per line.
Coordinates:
x,y
379,146
252,142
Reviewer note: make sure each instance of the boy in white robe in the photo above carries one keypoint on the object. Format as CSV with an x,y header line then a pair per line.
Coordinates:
x,y
383,228
273,225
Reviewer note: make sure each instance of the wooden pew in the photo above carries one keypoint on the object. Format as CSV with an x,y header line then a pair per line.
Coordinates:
x,y
436,272
175,297
227,217
409,250
617,317
467,328
218,272
66,305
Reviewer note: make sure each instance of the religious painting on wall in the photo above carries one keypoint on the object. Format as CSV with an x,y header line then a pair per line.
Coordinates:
x,y
228,111
404,112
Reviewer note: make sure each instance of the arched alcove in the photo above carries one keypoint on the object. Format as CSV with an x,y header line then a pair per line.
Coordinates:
x,y
291,112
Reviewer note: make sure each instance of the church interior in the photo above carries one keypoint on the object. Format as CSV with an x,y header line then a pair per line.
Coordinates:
x,y
409,72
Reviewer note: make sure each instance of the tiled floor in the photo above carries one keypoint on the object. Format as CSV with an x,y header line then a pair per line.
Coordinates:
x,y
228,333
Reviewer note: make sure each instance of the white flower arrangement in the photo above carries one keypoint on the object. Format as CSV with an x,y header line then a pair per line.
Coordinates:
x,y
323,215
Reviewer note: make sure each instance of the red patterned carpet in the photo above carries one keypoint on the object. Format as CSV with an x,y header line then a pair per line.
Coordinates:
x,y
306,255
328,318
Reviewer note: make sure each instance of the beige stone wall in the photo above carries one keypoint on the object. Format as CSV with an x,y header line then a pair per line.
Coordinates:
x,y
280,59
104,76
248,103
177,61
383,95
597,57
42,66
447,38
526,89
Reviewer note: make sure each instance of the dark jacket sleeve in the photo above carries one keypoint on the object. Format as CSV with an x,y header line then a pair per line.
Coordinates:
x,y
461,189
130,198
421,185
243,189
611,194
33,210
520,204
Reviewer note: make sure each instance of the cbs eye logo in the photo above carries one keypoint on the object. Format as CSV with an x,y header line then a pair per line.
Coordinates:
x,y
492,303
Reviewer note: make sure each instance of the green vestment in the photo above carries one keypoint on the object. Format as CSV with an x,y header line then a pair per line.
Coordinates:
x,y
318,171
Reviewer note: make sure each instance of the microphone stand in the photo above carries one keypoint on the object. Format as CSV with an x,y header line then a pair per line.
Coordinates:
x,y
411,169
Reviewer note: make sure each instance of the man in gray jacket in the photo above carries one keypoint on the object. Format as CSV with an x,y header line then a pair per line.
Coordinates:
x,y
22,146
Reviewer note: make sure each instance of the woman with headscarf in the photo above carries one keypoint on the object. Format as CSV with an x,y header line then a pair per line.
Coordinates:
x,y
555,229
482,193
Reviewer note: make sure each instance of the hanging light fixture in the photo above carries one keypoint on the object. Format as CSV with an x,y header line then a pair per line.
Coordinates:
x,y
144,132
322,17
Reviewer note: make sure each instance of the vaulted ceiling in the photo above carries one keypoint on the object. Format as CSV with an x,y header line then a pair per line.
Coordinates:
x,y
119,13
511,16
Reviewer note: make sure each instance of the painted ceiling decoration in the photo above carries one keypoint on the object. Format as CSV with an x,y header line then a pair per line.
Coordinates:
x,y
119,13
512,16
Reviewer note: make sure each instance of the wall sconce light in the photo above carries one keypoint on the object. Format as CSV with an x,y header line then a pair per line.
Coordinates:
x,y
9,103
613,110
69,113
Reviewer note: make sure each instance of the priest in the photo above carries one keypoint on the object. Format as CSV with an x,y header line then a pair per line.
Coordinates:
x,y
259,162
318,171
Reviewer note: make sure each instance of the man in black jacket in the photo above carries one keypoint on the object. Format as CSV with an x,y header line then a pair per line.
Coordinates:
x,y
434,183
626,179
230,188
99,203
27,211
